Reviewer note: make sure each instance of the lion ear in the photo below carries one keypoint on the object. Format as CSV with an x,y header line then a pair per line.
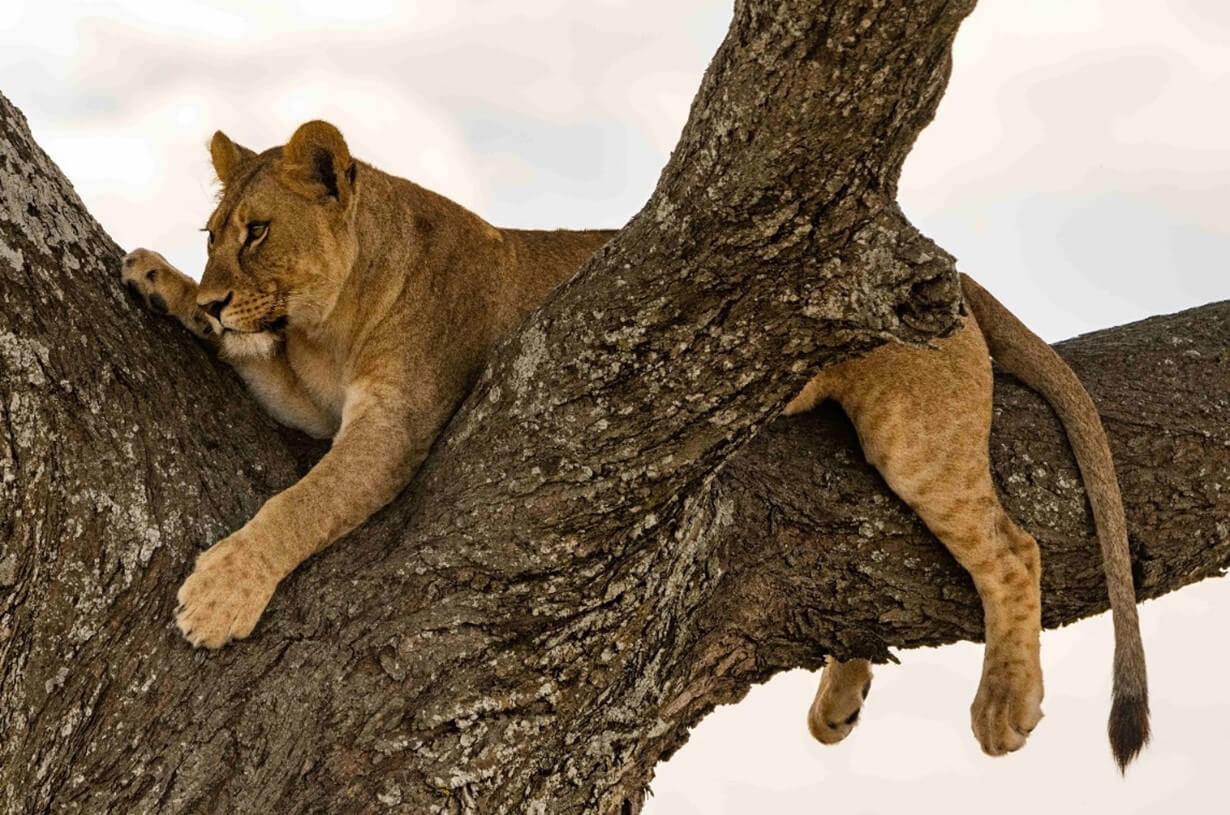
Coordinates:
x,y
227,156
317,162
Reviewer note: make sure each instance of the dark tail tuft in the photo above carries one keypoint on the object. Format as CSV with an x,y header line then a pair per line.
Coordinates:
x,y
1128,727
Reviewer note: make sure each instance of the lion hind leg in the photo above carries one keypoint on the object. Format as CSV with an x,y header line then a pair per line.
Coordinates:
x,y
1004,563
924,417
839,699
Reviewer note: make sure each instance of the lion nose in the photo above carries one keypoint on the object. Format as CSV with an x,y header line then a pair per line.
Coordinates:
x,y
214,307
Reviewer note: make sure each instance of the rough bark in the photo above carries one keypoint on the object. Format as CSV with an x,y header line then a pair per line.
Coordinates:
x,y
614,533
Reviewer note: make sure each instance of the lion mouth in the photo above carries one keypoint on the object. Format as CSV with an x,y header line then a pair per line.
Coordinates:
x,y
269,326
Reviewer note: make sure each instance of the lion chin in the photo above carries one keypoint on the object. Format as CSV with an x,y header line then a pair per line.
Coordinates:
x,y
236,345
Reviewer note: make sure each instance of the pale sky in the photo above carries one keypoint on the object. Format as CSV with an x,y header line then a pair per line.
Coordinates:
x,y
1078,168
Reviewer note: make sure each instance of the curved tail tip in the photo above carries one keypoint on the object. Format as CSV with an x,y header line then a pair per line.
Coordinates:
x,y
1128,728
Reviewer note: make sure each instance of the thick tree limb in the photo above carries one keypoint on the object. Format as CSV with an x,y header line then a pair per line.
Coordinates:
x,y
603,545
822,558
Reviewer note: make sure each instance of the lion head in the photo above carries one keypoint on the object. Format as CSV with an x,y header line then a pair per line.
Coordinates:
x,y
282,238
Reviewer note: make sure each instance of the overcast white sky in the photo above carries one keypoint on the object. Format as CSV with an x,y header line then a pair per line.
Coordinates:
x,y
1078,167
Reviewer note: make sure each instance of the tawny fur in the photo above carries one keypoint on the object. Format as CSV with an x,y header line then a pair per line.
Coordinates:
x,y
355,305
923,416
360,306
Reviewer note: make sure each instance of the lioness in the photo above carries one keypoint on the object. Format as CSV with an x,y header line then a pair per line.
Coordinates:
x,y
359,306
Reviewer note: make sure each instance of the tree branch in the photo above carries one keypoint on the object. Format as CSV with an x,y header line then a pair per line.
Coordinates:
x,y
822,558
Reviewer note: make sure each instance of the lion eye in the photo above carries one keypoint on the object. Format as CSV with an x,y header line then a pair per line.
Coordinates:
x,y
256,231
209,241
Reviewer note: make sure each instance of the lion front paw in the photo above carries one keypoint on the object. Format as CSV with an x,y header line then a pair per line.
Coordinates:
x,y
1007,707
165,289
225,595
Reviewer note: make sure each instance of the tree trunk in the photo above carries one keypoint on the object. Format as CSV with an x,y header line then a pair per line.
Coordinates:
x,y
614,534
